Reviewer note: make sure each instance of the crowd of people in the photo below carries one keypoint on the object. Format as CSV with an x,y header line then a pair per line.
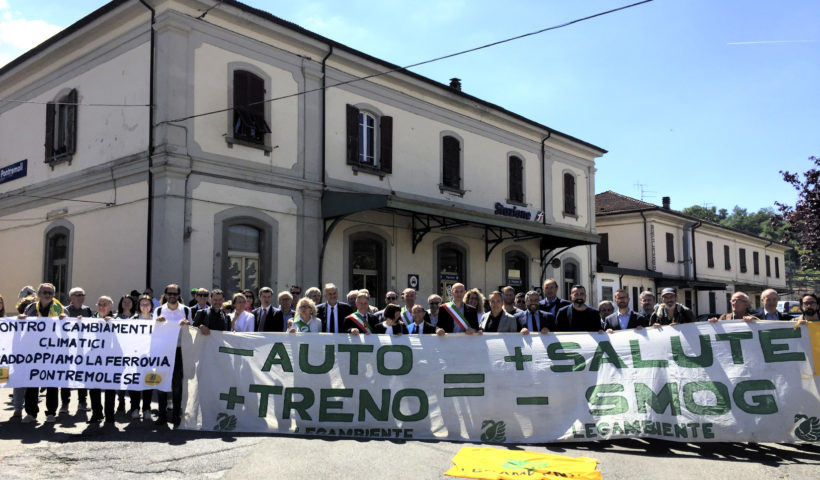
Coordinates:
x,y
321,311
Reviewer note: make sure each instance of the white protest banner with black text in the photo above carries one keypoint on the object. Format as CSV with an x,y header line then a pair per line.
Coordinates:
x,y
729,381
87,353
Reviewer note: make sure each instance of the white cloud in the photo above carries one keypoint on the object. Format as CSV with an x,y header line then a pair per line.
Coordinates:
x,y
25,34
4,5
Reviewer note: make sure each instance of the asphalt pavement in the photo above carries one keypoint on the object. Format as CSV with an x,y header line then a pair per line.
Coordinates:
x,y
71,448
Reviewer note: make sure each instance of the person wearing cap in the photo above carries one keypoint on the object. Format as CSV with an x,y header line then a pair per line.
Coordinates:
x,y
670,312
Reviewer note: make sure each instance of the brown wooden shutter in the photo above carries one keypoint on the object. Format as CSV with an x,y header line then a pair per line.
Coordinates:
x,y
516,180
603,248
670,247
569,194
51,111
386,144
71,118
352,135
451,171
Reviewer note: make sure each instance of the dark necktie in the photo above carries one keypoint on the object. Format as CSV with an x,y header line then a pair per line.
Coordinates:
x,y
418,329
332,322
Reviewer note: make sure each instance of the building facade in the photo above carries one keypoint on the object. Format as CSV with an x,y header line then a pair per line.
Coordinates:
x,y
649,247
238,150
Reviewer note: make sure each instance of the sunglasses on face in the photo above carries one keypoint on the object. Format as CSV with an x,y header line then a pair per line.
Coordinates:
x,y
172,293
201,294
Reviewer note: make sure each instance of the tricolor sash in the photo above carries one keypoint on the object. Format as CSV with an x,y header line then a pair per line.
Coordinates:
x,y
407,316
360,321
449,306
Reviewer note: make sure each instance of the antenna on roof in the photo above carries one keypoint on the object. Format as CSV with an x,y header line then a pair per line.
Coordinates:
x,y
644,192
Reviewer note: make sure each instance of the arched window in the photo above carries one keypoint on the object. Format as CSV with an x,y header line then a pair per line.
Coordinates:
x,y
451,163
451,266
571,277
244,255
57,258
569,194
516,271
516,180
368,264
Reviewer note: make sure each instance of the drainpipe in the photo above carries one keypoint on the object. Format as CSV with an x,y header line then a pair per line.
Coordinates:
x,y
697,225
689,227
324,160
150,232
645,244
543,174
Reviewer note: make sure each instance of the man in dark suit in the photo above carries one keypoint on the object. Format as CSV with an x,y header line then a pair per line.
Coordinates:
x,y
624,318
457,316
770,298
534,319
332,312
578,317
418,325
551,302
200,301
264,314
284,313
361,321
213,318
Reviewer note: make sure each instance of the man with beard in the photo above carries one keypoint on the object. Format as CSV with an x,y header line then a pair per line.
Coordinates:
x,y
624,318
671,312
508,295
534,319
578,317
808,308
175,313
648,302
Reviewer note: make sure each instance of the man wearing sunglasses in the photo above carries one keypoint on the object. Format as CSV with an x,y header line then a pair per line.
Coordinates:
x,y
172,311
200,301
45,306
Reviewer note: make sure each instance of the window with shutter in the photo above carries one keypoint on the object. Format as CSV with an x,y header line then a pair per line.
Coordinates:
x,y
569,194
742,254
249,124
61,128
516,179
670,247
710,255
727,263
451,163
369,141
756,262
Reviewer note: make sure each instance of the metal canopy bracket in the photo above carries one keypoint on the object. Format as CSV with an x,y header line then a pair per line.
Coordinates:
x,y
424,224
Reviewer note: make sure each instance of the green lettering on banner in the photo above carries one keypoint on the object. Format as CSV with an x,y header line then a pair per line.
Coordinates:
x,y
231,398
681,431
617,404
638,362
734,339
605,353
264,392
555,354
300,406
324,367
406,360
667,397
603,428
764,404
354,351
705,359
707,430
326,404
424,405
720,391
278,356
770,349
367,404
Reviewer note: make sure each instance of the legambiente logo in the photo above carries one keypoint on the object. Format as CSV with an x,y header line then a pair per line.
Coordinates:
x,y
494,431
807,428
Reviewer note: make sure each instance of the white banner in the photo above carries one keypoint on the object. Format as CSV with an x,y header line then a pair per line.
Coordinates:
x,y
87,353
729,381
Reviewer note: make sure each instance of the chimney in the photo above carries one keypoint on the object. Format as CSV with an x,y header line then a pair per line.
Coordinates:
x,y
455,83
666,201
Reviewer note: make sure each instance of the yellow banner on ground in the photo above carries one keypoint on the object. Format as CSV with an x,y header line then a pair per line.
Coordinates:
x,y
493,463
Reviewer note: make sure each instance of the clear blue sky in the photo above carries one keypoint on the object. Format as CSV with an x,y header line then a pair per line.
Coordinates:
x,y
701,100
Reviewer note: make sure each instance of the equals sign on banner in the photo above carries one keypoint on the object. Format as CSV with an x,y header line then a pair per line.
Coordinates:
x,y
464,391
